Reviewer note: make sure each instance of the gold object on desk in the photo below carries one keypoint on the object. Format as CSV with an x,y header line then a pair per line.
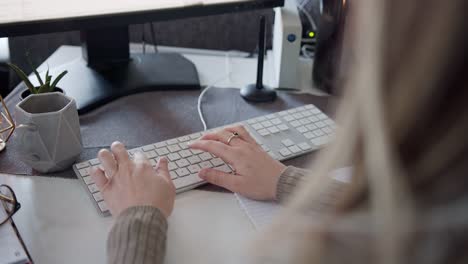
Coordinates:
x,y
7,125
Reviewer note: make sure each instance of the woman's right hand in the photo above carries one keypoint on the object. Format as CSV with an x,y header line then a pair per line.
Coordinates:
x,y
257,173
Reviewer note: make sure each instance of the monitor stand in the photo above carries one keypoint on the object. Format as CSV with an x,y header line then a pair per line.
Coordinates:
x,y
107,71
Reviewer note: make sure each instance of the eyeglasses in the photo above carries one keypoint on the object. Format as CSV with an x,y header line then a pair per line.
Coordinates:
x,y
9,202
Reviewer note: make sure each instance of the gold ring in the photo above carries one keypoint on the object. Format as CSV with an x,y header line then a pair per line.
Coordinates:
x,y
233,135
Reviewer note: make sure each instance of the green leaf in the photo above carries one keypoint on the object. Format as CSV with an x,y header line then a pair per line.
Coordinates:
x,y
22,76
34,70
54,84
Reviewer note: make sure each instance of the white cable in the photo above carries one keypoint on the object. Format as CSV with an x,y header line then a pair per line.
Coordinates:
x,y
308,16
200,97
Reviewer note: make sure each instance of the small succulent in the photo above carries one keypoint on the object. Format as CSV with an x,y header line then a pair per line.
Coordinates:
x,y
45,86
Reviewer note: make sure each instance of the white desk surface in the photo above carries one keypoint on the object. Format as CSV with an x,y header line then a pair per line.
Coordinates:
x,y
60,225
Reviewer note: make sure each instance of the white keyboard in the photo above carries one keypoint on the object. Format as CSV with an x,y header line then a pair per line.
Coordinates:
x,y
283,135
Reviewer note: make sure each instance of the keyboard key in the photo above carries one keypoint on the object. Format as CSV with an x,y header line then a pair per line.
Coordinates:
x,y
185,153
271,116
298,115
294,149
205,156
305,121
287,142
311,127
206,164
172,166
160,145
276,121
183,145
217,162
283,113
103,206
304,146
194,168
313,119
173,148
88,180
251,121
182,172
283,127
315,110
93,188
148,148
273,130
195,136
329,122
264,132
97,196
302,129
82,165
153,162
162,151
322,116
267,124
257,126
182,163
151,154
307,113
309,135
184,139
187,181
265,148
173,156
172,141
289,118
84,172
196,151
94,162
285,152
173,175
320,124
309,106
194,160
318,132
295,123
224,168
292,111
261,119
319,141
327,130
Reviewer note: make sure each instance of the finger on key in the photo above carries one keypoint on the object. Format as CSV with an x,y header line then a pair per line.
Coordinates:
x,y
243,133
99,178
141,160
163,169
120,154
222,136
225,152
108,162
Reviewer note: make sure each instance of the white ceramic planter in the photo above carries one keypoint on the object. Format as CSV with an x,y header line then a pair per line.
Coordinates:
x,y
48,131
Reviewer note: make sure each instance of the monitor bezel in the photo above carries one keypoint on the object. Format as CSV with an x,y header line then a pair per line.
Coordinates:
x,y
129,18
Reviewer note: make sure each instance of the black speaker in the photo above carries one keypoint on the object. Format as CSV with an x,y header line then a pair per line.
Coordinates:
x,y
329,44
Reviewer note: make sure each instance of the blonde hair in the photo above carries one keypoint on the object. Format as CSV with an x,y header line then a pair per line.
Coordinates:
x,y
408,78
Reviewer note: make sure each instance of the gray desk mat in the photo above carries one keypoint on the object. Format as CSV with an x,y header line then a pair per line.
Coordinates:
x,y
151,117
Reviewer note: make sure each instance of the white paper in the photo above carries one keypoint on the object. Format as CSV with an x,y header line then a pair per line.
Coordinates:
x,y
262,213
11,250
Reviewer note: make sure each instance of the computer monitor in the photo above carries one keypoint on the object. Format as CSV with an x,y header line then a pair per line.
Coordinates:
x,y
108,70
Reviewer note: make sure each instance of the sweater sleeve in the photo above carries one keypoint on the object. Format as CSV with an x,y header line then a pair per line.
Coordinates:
x,y
288,180
138,236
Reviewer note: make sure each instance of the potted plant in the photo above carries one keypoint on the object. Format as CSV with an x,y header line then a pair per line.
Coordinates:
x,y
46,85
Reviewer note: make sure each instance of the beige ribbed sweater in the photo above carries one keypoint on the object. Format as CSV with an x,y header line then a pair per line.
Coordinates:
x,y
139,233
